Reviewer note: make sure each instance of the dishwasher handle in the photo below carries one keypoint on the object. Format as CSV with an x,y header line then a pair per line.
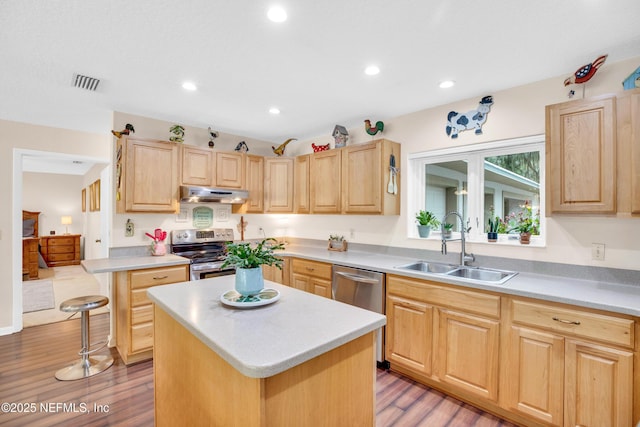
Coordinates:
x,y
356,278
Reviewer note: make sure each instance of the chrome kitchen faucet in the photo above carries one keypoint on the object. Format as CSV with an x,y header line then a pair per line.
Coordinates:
x,y
464,256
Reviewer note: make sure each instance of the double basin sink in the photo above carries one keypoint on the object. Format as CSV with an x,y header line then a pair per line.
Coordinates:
x,y
474,274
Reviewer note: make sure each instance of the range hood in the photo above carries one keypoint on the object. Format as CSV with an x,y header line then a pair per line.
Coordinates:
x,y
190,194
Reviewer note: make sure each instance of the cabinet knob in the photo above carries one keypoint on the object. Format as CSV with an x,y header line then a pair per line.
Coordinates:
x,y
98,240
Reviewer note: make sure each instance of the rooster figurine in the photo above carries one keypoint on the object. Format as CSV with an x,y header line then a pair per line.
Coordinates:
x,y
127,129
379,127
584,73
279,150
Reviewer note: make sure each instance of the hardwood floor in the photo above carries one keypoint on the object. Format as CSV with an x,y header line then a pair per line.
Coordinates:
x,y
123,396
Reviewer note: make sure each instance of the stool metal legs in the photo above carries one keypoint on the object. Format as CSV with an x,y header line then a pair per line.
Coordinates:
x,y
86,366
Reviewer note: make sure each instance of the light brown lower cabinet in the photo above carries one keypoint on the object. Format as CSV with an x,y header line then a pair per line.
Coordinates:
x,y
534,362
134,310
311,276
275,274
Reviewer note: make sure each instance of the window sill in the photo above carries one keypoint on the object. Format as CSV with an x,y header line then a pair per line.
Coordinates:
x,y
503,240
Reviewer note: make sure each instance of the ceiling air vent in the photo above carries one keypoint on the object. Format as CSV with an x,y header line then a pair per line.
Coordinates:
x,y
85,82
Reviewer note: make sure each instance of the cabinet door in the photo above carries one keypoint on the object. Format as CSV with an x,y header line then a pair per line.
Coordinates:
x,y
581,156
468,352
628,148
408,334
532,382
320,287
325,172
635,153
229,170
302,197
151,176
599,386
197,166
362,178
278,185
300,281
255,183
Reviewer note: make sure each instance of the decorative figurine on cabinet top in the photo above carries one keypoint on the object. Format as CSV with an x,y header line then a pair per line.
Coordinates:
x,y
372,130
127,129
584,73
212,135
340,136
178,134
279,150
318,148
242,147
473,119
633,81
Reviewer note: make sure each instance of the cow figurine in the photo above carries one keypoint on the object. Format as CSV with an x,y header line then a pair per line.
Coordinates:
x,y
473,119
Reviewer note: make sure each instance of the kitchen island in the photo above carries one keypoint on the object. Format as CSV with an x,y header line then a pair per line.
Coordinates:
x,y
303,360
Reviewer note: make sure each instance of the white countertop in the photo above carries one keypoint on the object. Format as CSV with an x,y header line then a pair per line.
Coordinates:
x,y
263,341
109,265
614,297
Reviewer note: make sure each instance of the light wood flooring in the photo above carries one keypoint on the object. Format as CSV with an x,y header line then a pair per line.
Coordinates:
x,y
123,396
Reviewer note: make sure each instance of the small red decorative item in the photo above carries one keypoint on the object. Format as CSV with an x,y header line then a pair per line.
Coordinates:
x,y
318,148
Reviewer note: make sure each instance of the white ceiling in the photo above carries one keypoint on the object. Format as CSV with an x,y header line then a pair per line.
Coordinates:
x,y
311,66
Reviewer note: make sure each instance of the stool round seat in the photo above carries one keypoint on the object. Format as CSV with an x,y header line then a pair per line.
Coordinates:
x,y
87,365
85,303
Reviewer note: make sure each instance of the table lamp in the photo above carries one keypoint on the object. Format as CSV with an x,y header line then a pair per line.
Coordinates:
x,y
66,220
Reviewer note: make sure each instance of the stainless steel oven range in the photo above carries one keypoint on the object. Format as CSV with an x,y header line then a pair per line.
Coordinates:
x,y
205,248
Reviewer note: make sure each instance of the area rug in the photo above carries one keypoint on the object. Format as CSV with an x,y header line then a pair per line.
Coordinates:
x,y
37,295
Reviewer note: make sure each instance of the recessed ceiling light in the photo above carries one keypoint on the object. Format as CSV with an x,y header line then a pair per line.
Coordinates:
x,y
274,110
371,70
189,86
446,84
276,14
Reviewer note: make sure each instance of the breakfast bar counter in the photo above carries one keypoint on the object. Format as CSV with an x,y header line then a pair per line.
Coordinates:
x,y
298,360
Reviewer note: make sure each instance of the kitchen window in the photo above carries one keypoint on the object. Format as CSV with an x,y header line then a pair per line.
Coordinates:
x,y
479,182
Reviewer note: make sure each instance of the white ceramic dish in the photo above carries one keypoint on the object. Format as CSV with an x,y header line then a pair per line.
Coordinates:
x,y
234,299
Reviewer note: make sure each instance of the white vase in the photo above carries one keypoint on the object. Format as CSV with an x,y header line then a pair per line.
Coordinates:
x,y
249,281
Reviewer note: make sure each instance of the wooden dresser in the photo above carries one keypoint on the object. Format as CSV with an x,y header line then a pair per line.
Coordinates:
x,y
61,250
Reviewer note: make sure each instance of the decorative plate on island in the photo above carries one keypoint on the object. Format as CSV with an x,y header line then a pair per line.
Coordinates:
x,y
234,299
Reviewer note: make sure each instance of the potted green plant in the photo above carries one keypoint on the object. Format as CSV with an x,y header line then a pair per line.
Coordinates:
x,y
447,230
492,229
426,221
336,241
248,260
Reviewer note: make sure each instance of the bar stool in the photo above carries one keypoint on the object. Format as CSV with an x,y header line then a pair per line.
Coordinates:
x,y
86,366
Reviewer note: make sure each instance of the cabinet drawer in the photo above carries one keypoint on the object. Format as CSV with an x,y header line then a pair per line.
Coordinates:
x,y
600,327
61,241
452,297
158,276
312,268
142,314
141,337
61,249
139,297
60,257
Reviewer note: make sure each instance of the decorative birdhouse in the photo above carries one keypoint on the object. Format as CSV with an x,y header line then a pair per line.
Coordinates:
x,y
633,81
340,136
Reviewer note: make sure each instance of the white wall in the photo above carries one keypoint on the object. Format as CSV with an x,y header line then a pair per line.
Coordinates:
x,y
54,195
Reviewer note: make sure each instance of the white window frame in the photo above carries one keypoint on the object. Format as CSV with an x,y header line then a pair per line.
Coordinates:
x,y
475,155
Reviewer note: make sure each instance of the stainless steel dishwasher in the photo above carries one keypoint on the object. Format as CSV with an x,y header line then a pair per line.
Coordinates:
x,y
364,289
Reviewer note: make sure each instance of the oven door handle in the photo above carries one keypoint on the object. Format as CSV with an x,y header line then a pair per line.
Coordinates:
x,y
356,278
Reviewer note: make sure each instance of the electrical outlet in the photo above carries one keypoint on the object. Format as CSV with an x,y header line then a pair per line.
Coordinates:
x,y
597,251
352,233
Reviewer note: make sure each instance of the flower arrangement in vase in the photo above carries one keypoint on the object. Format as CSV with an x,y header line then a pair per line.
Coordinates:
x,y
158,248
426,221
337,243
525,222
448,228
248,260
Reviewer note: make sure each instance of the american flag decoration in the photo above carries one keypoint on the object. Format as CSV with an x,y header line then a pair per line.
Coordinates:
x,y
586,72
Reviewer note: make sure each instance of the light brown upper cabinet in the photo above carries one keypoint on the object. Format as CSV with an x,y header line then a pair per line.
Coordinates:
x,y
146,176
366,175
254,179
229,170
628,145
302,196
278,179
581,156
196,166
325,182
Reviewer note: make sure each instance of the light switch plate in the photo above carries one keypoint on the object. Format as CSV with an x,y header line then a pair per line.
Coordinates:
x,y
597,251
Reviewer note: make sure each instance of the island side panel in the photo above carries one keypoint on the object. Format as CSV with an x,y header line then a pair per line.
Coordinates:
x,y
195,386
